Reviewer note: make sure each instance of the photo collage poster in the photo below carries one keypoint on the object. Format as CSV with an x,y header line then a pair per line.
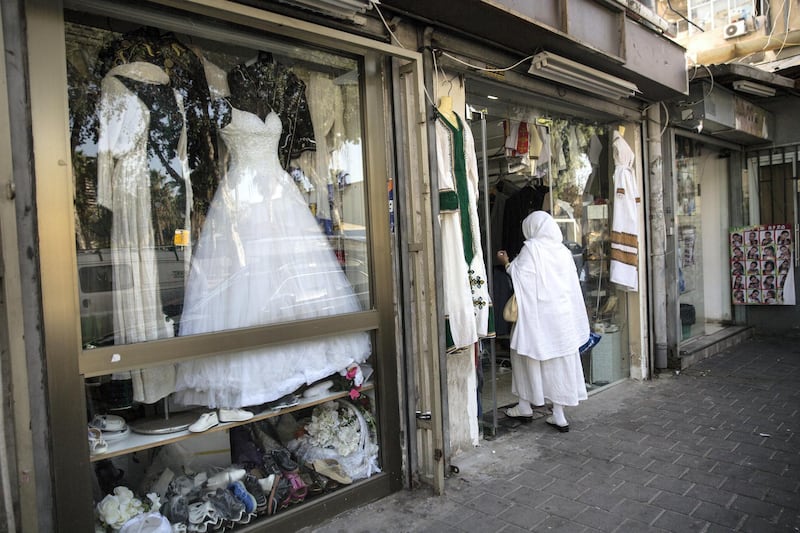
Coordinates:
x,y
762,270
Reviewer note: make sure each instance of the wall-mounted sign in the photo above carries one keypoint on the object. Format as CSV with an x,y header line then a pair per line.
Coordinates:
x,y
761,265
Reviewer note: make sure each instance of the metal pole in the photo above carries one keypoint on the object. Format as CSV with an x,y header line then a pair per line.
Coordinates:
x,y
489,262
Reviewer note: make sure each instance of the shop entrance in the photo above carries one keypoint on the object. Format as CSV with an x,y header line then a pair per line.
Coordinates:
x,y
702,209
534,154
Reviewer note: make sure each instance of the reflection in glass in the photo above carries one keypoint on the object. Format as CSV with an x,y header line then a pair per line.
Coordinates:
x,y
173,205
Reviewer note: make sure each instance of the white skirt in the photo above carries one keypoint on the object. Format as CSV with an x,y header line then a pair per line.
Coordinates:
x,y
559,380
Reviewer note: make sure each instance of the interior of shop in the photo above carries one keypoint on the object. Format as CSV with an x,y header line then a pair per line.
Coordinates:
x,y
571,176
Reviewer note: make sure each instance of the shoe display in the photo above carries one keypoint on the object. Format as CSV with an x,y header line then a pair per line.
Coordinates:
x,y
234,415
97,444
205,422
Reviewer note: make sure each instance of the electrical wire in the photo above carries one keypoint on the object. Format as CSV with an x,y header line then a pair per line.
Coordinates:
x,y
400,44
483,69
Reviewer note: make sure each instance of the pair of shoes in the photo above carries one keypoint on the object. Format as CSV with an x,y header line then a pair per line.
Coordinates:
x,y
109,423
332,469
251,483
225,478
234,415
552,423
97,443
243,495
517,414
205,422
290,400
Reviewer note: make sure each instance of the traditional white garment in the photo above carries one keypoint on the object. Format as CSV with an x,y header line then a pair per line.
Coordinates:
x,y
262,259
559,380
552,320
123,186
467,304
552,323
625,225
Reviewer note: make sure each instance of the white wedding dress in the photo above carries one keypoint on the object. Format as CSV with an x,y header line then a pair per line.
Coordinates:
x,y
262,259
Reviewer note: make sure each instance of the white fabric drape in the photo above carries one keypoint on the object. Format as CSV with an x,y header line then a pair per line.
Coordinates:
x,y
552,319
625,225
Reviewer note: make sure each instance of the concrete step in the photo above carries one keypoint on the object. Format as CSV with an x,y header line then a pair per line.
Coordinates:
x,y
699,348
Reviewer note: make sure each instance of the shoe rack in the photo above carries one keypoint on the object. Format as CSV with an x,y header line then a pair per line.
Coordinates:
x,y
135,442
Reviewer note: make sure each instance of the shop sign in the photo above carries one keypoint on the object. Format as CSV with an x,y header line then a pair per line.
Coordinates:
x,y
750,118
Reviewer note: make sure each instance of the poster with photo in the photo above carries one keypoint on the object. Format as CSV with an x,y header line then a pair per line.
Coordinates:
x,y
762,261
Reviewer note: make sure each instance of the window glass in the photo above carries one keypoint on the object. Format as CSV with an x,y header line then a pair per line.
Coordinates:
x,y
217,186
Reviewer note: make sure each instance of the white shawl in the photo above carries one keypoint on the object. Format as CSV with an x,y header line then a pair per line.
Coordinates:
x,y
552,320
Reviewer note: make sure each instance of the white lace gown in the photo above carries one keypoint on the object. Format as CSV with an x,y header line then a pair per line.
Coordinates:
x,y
262,259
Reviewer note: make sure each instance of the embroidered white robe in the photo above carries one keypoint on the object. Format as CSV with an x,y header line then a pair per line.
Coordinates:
x,y
625,224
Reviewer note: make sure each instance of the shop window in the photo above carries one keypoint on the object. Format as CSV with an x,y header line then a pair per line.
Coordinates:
x,y
220,187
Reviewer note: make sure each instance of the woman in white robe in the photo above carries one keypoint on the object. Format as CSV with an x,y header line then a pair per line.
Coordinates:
x,y
552,323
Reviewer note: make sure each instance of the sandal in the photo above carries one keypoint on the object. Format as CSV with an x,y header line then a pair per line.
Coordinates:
x,y
298,490
279,494
516,414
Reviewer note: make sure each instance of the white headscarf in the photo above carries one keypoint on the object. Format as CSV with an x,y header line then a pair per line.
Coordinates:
x,y
552,320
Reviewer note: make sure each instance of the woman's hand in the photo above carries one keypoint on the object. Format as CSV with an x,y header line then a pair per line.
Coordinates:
x,y
502,256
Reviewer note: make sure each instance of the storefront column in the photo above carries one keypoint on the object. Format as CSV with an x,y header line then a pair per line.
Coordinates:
x,y
658,236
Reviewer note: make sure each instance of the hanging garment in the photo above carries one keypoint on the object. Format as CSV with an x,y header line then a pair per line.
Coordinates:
x,y
262,259
187,77
468,306
141,179
625,224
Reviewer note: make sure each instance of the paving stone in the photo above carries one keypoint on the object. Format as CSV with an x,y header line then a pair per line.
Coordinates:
x,y
633,491
638,511
790,500
534,480
563,507
786,483
556,524
632,526
704,478
501,487
751,506
601,499
732,471
718,515
678,486
566,489
569,473
489,504
635,461
523,516
511,528
634,475
756,524
680,523
674,502
599,519
666,469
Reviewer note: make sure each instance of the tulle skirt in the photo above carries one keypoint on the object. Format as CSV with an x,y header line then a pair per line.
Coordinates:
x,y
264,262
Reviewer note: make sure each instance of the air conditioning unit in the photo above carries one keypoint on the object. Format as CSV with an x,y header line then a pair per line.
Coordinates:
x,y
735,29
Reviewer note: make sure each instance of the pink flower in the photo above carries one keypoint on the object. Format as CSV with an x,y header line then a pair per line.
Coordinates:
x,y
354,394
351,372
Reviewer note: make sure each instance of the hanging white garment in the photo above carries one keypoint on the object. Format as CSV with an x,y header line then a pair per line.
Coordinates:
x,y
123,187
467,303
625,225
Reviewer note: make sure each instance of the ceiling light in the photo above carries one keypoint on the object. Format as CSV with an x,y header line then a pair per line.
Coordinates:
x,y
753,88
492,97
562,70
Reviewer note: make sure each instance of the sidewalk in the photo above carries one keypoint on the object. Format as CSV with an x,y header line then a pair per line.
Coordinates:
x,y
711,449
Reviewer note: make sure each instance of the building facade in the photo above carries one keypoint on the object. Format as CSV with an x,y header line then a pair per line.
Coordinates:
x,y
223,231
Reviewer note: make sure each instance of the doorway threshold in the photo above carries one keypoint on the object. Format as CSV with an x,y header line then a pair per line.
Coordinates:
x,y
698,348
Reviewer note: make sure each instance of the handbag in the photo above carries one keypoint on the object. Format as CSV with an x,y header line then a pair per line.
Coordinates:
x,y
510,309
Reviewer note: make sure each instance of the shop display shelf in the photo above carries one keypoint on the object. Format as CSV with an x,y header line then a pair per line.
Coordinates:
x,y
135,442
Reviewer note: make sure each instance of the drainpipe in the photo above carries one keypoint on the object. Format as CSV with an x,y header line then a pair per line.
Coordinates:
x,y
658,236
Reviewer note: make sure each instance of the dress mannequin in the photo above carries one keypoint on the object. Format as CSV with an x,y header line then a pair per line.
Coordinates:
x,y
445,109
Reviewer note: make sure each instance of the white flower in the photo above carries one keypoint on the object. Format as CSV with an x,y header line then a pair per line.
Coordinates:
x,y
330,428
